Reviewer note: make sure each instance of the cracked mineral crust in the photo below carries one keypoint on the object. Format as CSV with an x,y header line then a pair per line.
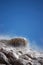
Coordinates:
x,y
14,52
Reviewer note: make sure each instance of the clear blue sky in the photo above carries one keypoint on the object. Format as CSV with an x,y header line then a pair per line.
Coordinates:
x,y
23,18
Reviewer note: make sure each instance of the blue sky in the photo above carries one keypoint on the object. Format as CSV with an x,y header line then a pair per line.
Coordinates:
x,y
22,18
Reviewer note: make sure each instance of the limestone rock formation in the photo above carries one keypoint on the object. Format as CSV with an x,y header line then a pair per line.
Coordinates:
x,y
10,55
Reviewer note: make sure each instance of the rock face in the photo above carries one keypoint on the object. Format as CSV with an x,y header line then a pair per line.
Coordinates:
x,y
10,55
17,57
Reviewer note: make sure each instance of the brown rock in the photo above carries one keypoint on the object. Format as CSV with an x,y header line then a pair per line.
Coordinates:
x,y
17,42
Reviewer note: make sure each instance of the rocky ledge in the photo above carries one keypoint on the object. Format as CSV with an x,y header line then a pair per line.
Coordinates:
x,y
19,56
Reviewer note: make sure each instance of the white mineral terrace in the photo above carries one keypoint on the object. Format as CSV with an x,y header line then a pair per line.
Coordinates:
x,y
19,55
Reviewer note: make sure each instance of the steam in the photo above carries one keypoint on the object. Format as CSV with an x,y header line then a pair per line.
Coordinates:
x,y
4,37
30,45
